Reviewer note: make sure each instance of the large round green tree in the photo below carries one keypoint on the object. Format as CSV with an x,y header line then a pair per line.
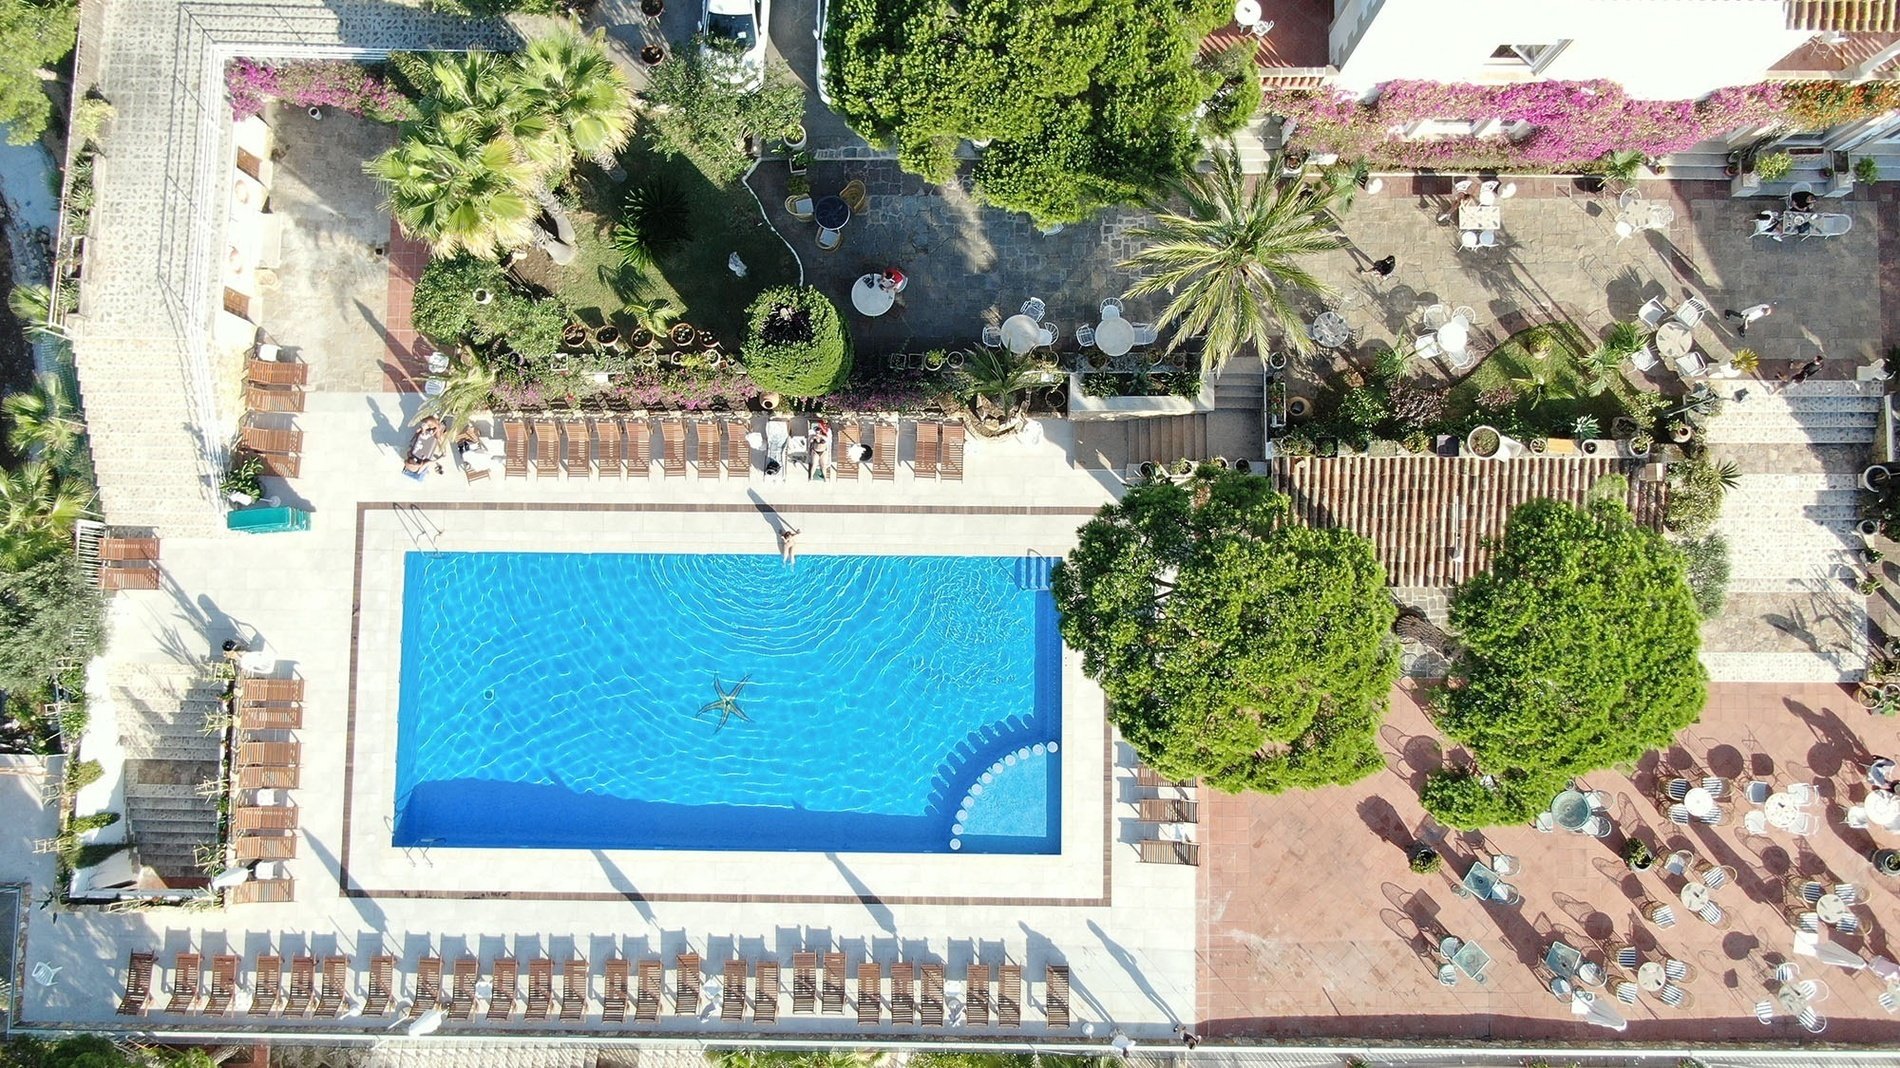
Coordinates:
x,y
1232,645
796,343
1580,651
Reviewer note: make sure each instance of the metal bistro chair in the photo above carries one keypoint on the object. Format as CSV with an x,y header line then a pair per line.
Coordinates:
x,y
1035,308
1765,1011
1626,993
992,337
1691,312
1624,956
1085,336
1677,789
1047,334
1112,306
1679,814
1677,971
1653,312
1848,893
1678,862
1757,791
1468,240
1716,786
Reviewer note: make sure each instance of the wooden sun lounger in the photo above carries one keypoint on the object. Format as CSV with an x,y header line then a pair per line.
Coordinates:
x,y
224,969
640,447
185,967
128,550
706,437
336,975
765,993
276,373
804,982
903,994
1009,997
1147,776
252,847
547,449
574,980
930,1007
924,461
673,439
732,991
613,1000
269,691
382,986
738,450
540,988
268,987
646,1004
1167,810
501,1004
831,996
514,435
462,992
262,778
281,465
1055,997
303,985
951,464
113,578
686,984
267,440
610,446
1155,851
870,997
844,455
976,995
269,754
138,983
884,454
428,986
577,457
270,717
267,399
261,891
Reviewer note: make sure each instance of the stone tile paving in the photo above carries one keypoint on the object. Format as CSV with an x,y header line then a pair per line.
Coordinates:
x,y
1314,925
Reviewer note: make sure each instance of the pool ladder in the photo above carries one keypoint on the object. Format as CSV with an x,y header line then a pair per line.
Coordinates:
x,y
1033,570
420,528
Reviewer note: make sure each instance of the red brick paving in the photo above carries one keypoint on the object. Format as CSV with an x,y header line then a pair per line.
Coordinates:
x,y
1312,920
408,361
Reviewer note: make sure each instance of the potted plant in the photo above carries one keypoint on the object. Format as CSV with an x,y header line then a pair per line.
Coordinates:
x,y
484,296
243,484
1875,479
574,335
1424,859
1866,171
1774,166
795,137
652,9
1868,527
1293,162
769,401
1871,555
1484,441
1637,854
1886,861
1590,446
1150,470
1746,360
1640,443
1276,360
1539,444
1298,407
1680,431
682,334
653,55
799,162
1868,586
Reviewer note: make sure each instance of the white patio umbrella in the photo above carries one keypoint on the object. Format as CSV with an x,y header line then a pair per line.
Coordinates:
x,y
1810,945
428,1022
230,877
1594,1011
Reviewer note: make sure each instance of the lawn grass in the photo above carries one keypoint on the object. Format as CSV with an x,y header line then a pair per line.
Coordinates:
x,y
694,277
1553,411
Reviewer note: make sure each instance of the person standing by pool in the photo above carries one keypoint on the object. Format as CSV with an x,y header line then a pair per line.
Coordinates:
x,y
788,544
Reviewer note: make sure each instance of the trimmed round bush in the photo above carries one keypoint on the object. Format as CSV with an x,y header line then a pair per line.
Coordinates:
x,y
795,343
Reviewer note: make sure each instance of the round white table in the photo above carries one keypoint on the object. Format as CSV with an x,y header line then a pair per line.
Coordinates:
x,y
1883,808
1329,330
1694,896
1114,335
1831,909
1651,976
1246,12
1020,334
1453,335
1699,802
1780,810
1674,339
871,296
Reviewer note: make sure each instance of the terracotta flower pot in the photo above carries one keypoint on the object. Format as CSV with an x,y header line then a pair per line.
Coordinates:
x,y
682,335
652,55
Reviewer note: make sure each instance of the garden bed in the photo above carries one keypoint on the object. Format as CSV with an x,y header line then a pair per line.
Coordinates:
x,y
1536,384
1131,395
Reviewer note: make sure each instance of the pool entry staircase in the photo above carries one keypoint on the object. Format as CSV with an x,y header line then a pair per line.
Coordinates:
x,y
1033,571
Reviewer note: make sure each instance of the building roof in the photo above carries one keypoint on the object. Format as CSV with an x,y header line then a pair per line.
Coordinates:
x,y
1845,16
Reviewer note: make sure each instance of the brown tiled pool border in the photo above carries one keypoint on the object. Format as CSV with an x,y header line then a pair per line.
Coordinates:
x,y
346,888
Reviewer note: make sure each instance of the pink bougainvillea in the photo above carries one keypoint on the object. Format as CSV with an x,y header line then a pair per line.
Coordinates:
x,y
313,83
1545,125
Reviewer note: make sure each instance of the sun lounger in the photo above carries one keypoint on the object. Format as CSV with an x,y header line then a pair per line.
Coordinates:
x,y
610,446
1155,851
1147,776
224,968
925,459
732,991
138,983
976,995
128,550
1009,997
831,995
428,986
844,454
930,1007
765,993
1167,810
903,994
646,1005
303,985
540,988
270,717
804,982
269,691
262,891
686,984
613,1000
884,454
185,967
336,976
267,440
547,449
462,992
262,778
276,373
514,435
778,449
870,997
640,447
273,399
267,988
251,818
281,465
673,439
706,439
574,980
501,1003
382,985
950,465
577,456
113,578
266,847
1055,997
738,451
269,754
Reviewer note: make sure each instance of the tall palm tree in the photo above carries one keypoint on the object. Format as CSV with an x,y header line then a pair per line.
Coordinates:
x,y
1002,377
570,79
37,510
459,192
468,388
43,422
1233,260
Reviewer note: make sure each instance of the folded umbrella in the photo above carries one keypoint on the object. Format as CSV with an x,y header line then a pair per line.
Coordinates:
x,y
1810,945
1594,1011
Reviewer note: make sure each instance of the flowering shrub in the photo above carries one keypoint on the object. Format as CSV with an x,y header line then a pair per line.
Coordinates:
x,y
1565,124
1818,105
687,389
313,83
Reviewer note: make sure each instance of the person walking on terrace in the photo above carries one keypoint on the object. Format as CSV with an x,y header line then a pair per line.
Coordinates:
x,y
1748,315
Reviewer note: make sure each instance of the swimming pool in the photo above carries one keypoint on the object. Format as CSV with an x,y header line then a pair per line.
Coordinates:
x,y
892,704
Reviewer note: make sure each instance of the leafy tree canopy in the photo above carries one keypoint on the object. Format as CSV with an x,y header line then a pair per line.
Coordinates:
x,y
795,343
701,113
1087,102
1232,644
1580,651
46,610
95,1051
33,36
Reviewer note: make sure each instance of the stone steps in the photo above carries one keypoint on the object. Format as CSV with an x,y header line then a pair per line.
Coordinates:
x,y
1166,439
1828,413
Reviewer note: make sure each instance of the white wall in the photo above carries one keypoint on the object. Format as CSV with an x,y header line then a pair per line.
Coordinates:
x,y
1657,49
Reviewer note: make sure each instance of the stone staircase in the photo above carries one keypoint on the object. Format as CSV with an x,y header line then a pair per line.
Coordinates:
x,y
1811,413
1164,440
161,710
169,819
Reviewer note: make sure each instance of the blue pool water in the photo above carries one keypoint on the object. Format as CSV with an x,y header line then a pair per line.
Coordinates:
x,y
895,704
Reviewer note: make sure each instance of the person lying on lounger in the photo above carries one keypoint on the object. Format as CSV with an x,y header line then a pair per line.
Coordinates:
x,y
422,448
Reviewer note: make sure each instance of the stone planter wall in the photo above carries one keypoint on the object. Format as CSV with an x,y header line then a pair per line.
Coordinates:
x,y
1083,407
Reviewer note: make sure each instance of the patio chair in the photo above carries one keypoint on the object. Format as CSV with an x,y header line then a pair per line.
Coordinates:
x,y
1598,800
1145,333
930,1003
829,240
515,459
1426,347
1653,312
1035,308
1755,822
540,988
1675,996
1813,1022
1598,827
1468,239
1677,789
1830,225
266,989
1691,312
1815,990
646,999
854,195
884,453
1848,893
1756,791
382,985
1716,876
976,996
732,991
1805,920
501,988
575,980
1660,913
1626,993
1803,824
1855,818
804,982
1112,306
1461,186
799,207
1506,894
224,968
303,981
1889,1000
1085,336
992,337
1765,1012
1848,924
614,999
1488,239
1677,863
1624,956
1009,996
1803,794
1692,364
1055,996
903,994
831,993
1505,864
686,984
1713,915
1508,191
1677,971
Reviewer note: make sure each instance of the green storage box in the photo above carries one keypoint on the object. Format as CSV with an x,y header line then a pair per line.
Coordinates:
x,y
267,520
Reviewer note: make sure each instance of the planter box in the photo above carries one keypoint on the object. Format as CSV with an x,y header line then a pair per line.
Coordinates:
x,y
1083,407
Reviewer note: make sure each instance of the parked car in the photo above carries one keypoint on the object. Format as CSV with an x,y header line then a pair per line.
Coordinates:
x,y
824,93
734,31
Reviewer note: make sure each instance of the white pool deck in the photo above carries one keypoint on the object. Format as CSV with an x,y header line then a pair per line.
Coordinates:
x,y
1125,929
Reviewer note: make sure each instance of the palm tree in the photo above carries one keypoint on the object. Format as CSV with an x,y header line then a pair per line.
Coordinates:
x,y
459,192
37,510
569,79
32,304
468,388
1233,260
43,422
1001,377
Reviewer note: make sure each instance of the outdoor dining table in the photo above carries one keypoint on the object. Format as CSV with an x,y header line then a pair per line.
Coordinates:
x,y
831,212
1883,808
1652,976
1831,909
1471,960
1114,335
1563,959
1571,809
1480,216
1480,880
1700,802
1642,214
1329,330
1695,896
1021,333
1781,810
1673,340
1452,338
872,295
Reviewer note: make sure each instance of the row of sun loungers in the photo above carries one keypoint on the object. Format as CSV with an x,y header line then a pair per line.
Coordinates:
x,y
128,564
1176,810
266,766
613,446
915,997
